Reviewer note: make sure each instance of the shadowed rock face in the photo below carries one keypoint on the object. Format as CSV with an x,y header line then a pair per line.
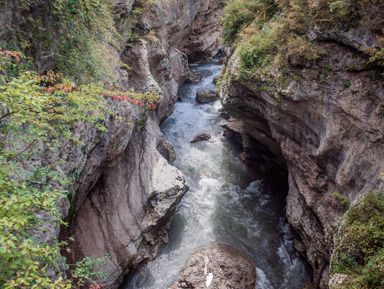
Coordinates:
x,y
327,133
219,266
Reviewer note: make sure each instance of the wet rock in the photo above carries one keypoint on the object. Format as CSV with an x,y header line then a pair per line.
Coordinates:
x,y
206,96
201,137
224,113
218,267
216,79
194,77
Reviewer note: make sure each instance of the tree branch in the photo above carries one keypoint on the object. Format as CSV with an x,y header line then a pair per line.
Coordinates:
x,y
7,114
23,151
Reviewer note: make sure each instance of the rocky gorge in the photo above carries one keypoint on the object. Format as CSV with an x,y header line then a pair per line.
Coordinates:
x,y
315,123
126,210
125,189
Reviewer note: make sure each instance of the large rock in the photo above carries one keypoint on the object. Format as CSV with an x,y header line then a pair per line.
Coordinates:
x,y
194,77
166,150
201,137
206,96
217,267
126,195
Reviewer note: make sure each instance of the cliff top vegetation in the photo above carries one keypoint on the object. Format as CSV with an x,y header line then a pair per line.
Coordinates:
x,y
268,32
38,110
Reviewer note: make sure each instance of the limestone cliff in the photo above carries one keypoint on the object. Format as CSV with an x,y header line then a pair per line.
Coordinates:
x,y
323,119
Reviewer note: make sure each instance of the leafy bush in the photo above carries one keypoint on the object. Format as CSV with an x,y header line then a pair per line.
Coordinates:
x,y
36,113
87,28
244,21
342,201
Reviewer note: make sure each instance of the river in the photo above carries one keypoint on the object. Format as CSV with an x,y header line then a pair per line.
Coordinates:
x,y
226,203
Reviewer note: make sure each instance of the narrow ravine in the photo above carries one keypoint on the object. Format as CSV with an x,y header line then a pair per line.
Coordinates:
x,y
226,202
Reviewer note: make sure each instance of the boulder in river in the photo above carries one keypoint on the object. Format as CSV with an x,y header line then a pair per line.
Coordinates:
x,y
218,267
194,77
205,96
201,137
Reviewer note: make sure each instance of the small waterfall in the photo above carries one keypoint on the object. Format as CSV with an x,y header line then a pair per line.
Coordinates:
x,y
226,202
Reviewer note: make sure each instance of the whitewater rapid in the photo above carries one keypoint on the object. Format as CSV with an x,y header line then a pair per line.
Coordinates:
x,y
226,202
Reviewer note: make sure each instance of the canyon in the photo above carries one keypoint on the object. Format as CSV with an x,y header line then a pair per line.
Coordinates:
x,y
322,131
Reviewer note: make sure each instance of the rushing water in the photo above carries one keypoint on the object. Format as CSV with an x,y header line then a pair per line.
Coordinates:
x,y
226,203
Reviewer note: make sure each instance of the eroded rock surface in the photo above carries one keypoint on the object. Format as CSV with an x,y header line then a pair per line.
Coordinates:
x,y
127,213
328,134
204,40
219,266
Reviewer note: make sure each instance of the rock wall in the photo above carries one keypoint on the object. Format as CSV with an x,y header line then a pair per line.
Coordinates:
x,y
127,192
326,127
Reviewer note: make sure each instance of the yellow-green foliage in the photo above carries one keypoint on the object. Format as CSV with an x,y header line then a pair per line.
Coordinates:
x,y
240,13
359,245
31,120
86,30
36,112
266,44
342,201
260,48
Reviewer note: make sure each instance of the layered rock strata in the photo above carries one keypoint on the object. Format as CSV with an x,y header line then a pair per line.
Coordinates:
x,y
325,126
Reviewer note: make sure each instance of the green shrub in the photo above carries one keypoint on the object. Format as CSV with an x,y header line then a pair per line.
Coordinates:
x,y
76,34
240,13
36,114
342,201
373,272
259,49
359,245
